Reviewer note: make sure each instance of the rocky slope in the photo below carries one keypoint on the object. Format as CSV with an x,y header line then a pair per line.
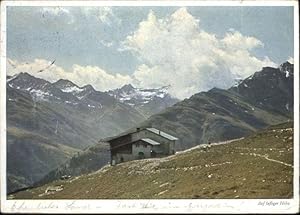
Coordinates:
x,y
258,166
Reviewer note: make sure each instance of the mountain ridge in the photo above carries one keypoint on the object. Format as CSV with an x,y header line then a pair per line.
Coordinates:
x,y
211,116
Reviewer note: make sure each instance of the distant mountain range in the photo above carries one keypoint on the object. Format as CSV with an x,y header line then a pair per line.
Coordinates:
x,y
48,122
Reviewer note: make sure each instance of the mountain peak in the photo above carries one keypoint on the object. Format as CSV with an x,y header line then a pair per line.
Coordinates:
x,y
286,66
89,87
127,88
25,75
62,83
287,63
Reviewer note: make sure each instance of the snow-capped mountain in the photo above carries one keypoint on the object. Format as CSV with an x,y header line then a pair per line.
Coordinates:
x,y
86,95
39,89
149,101
62,91
69,87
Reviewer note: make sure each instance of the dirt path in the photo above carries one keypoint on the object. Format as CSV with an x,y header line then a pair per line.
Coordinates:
x,y
269,159
206,145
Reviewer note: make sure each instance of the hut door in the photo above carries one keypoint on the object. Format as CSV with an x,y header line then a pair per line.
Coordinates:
x,y
141,155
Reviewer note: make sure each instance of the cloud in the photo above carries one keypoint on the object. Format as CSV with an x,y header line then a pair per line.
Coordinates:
x,y
80,75
107,43
103,14
291,60
98,77
176,51
234,40
60,12
55,10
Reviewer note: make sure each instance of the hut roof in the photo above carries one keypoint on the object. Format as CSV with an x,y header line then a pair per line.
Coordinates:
x,y
161,133
153,130
151,142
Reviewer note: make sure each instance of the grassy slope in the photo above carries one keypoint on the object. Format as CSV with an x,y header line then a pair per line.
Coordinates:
x,y
234,170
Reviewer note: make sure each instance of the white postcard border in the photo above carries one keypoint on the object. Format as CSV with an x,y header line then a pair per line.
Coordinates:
x,y
152,205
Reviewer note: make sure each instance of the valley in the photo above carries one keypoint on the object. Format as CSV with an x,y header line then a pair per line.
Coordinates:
x,y
52,122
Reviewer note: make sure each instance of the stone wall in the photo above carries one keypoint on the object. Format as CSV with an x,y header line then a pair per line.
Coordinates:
x,y
140,147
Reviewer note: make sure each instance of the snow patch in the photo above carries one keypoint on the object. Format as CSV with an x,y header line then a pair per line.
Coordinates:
x,y
287,74
287,106
12,78
125,99
139,95
72,89
250,77
39,94
162,95
12,100
80,97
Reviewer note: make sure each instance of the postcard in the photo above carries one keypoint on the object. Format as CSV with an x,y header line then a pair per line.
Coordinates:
x,y
149,107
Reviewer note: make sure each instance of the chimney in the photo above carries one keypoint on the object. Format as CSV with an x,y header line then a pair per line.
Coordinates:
x,y
138,129
159,132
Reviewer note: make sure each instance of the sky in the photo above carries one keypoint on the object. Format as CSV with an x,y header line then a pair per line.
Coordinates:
x,y
192,49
